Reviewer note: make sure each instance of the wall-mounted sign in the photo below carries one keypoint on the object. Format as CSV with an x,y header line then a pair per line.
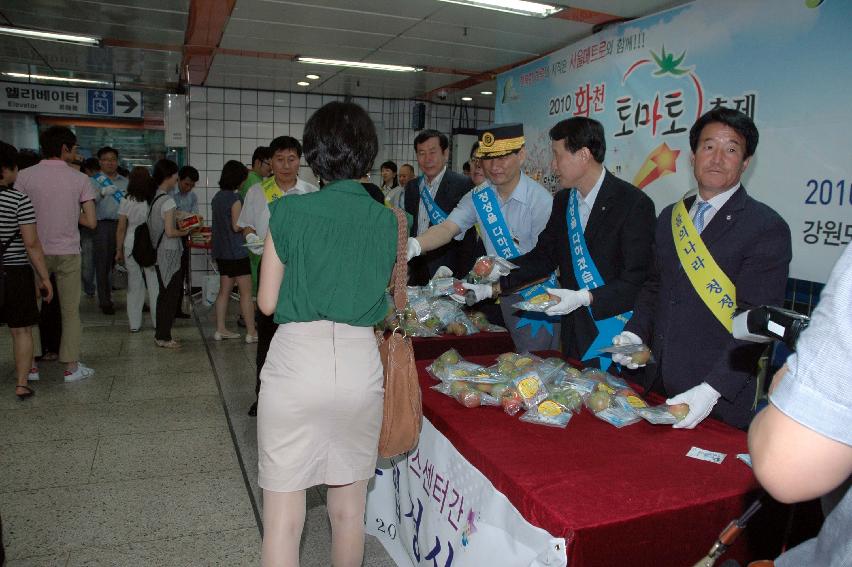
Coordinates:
x,y
49,99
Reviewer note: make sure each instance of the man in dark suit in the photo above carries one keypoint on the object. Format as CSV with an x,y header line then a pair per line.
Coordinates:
x,y
616,221
687,324
430,198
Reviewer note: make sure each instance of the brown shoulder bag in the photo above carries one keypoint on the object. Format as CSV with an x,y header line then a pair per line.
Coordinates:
x,y
403,412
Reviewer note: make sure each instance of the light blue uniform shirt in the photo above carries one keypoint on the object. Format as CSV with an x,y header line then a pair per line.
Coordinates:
x,y
526,212
106,206
185,202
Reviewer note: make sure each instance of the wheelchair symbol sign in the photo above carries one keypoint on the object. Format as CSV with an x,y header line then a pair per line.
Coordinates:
x,y
100,102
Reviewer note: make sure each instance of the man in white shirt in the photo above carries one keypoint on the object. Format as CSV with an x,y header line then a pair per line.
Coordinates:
x,y
254,219
717,252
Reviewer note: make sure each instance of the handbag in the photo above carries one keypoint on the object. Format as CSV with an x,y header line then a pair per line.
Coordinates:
x,y
144,251
402,417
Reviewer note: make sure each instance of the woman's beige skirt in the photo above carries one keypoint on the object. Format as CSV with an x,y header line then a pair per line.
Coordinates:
x,y
320,406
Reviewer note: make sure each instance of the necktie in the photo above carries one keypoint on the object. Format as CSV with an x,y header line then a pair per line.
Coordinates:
x,y
703,207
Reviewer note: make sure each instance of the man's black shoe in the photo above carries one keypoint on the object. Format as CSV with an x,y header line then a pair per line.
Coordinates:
x,y
253,410
108,310
182,315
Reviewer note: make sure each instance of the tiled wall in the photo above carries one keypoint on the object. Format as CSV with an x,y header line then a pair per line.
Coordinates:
x,y
226,124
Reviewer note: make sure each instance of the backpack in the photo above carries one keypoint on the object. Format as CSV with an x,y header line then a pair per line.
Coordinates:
x,y
144,252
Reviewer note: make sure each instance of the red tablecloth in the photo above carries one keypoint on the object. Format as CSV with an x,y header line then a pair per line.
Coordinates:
x,y
625,496
469,345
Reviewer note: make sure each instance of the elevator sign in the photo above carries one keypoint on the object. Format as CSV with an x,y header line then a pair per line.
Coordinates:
x,y
48,99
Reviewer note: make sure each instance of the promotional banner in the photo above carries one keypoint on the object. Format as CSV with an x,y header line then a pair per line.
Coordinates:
x,y
49,99
434,508
785,63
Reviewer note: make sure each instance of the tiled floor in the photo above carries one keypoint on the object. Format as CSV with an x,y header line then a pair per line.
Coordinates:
x,y
153,461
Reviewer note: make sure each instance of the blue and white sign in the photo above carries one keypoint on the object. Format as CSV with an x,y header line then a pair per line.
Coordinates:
x,y
49,99
785,63
99,102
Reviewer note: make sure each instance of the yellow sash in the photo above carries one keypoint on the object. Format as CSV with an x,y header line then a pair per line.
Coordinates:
x,y
271,189
711,284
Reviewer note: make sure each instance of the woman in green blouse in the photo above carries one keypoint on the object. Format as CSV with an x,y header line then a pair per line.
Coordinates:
x,y
327,261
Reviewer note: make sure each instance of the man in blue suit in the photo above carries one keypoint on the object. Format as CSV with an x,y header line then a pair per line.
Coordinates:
x,y
716,252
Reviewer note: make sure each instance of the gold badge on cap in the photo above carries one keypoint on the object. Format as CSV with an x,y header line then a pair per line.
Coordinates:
x,y
488,139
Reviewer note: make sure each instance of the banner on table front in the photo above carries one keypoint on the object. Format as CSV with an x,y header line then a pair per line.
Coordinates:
x,y
782,62
435,508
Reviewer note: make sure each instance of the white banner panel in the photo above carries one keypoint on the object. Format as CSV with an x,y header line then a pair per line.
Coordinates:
x,y
785,63
435,508
49,99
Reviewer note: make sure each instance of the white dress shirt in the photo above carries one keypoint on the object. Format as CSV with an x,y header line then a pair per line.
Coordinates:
x,y
716,203
423,215
255,212
587,203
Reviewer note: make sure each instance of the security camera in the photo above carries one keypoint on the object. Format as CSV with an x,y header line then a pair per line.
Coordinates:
x,y
442,94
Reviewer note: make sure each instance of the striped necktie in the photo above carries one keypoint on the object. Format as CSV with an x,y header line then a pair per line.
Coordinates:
x,y
703,207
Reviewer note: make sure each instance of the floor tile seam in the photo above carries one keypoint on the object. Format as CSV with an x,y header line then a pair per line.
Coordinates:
x,y
211,474
234,441
100,435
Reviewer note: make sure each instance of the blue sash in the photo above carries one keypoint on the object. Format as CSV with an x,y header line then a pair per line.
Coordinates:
x,y
436,214
494,226
104,181
586,273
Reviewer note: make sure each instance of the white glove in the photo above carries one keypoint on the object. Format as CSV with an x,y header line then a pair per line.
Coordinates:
x,y
621,339
700,399
254,243
412,249
443,272
496,273
569,300
481,291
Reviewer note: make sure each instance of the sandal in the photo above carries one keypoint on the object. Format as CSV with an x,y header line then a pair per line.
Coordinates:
x,y
29,392
167,344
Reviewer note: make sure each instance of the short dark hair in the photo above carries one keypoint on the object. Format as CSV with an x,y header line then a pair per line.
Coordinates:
x,y
163,169
107,150
740,122
340,142
54,138
285,143
466,166
388,165
27,158
140,186
580,132
427,134
8,156
92,164
233,175
261,153
188,171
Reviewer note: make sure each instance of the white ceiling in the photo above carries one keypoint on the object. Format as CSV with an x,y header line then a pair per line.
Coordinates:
x,y
148,42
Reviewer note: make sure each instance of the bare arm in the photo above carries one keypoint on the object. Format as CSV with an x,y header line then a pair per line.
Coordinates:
x,y
795,463
271,276
29,235
88,218
171,228
120,233
438,235
236,209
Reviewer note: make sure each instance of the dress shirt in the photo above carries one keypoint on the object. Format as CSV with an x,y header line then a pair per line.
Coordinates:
x,y
526,212
255,213
186,202
716,203
106,206
587,203
423,215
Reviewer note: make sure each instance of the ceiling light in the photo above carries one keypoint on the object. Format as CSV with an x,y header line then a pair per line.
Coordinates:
x,y
312,77
519,7
303,84
50,36
359,64
467,98
52,78
486,92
